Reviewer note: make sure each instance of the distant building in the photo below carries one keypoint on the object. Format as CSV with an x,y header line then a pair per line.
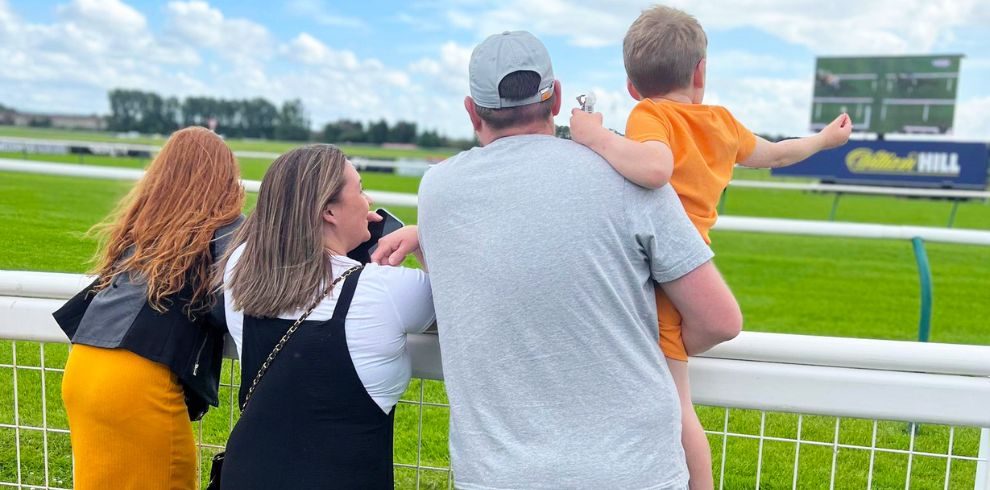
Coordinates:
x,y
62,121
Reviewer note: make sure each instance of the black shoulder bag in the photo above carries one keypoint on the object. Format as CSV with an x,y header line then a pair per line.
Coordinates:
x,y
217,465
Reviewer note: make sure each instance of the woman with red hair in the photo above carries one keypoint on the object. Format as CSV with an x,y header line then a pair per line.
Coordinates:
x,y
147,336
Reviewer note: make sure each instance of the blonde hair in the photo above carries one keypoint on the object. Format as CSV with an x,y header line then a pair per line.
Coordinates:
x,y
161,231
661,50
284,261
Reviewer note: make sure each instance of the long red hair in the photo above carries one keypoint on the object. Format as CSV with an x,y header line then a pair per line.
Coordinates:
x,y
191,188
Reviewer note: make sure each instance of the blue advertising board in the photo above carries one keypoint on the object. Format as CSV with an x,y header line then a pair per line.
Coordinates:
x,y
898,163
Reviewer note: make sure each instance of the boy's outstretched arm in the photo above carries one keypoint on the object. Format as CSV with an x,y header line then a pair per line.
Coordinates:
x,y
789,152
648,164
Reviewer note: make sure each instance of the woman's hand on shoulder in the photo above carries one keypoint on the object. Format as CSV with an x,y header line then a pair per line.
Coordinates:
x,y
394,247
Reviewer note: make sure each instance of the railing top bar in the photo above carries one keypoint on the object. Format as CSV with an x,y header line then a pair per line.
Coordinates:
x,y
130,174
52,285
871,354
93,144
121,146
861,189
851,230
842,392
29,318
70,170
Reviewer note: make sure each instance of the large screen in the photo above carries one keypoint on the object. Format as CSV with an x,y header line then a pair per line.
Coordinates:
x,y
893,94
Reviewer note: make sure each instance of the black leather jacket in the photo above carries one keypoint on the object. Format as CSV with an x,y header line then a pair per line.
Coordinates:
x,y
119,316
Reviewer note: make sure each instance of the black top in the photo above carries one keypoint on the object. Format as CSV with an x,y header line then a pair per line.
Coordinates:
x,y
310,422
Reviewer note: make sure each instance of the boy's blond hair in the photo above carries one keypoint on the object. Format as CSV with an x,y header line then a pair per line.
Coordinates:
x,y
661,50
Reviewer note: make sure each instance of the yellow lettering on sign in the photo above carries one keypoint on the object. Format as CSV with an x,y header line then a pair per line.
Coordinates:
x,y
865,160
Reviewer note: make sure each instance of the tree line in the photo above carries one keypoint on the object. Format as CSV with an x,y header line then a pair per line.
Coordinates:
x,y
351,131
148,112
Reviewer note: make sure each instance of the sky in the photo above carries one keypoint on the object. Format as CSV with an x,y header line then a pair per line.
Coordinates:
x,y
407,60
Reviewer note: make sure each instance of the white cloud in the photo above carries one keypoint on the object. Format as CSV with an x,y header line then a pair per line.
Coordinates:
x,y
318,11
448,72
69,63
975,64
782,107
6,16
93,43
587,25
766,105
195,23
461,20
735,60
104,15
306,49
973,119
840,27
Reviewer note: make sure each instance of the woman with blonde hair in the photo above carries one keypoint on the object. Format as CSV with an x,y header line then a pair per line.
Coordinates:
x,y
147,337
322,339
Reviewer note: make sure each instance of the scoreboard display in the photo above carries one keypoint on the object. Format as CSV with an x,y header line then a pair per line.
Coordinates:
x,y
892,94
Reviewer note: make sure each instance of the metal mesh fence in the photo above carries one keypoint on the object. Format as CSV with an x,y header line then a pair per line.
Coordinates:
x,y
750,449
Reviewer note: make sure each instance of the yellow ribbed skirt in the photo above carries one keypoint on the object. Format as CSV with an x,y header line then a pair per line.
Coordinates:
x,y
128,422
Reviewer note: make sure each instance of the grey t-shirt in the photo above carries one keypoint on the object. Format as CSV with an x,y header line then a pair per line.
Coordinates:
x,y
542,260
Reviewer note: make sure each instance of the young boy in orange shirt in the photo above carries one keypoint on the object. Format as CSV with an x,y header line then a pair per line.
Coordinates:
x,y
671,136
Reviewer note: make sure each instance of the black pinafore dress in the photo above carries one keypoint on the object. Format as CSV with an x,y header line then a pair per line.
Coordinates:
x,y
310,423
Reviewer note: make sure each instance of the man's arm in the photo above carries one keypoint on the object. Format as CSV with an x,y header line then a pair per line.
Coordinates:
x,y
709,312
788,152
648,164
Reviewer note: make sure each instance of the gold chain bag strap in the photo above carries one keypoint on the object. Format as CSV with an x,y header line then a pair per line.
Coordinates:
x,y
217,465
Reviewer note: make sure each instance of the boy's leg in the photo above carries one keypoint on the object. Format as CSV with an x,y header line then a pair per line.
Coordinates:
x,y
693,438
696,448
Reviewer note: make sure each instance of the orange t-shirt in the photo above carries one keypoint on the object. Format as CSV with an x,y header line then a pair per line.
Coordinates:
x,y
706,142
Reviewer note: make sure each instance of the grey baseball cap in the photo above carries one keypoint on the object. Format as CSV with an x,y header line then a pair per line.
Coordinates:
x,y
502,54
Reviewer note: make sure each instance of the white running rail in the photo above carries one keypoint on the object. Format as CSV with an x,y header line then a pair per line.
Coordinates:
x,y
728,223
877,380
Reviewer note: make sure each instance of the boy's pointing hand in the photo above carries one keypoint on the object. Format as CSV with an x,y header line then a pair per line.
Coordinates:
x,y
837,132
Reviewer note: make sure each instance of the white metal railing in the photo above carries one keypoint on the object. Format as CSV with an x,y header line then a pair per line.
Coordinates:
x,y
851,230
132,174
881,381
861,189
728,223
61,147
36,145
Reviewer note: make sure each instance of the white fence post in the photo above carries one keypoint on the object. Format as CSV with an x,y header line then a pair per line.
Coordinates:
x,y
983,465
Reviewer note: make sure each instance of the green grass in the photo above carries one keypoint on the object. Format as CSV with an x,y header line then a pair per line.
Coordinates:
x,y
808,285
366,151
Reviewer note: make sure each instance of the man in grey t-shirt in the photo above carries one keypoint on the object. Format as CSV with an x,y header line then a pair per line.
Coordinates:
x,y
543,261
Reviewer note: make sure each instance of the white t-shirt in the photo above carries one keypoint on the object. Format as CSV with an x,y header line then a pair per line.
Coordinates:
x,y
389,303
